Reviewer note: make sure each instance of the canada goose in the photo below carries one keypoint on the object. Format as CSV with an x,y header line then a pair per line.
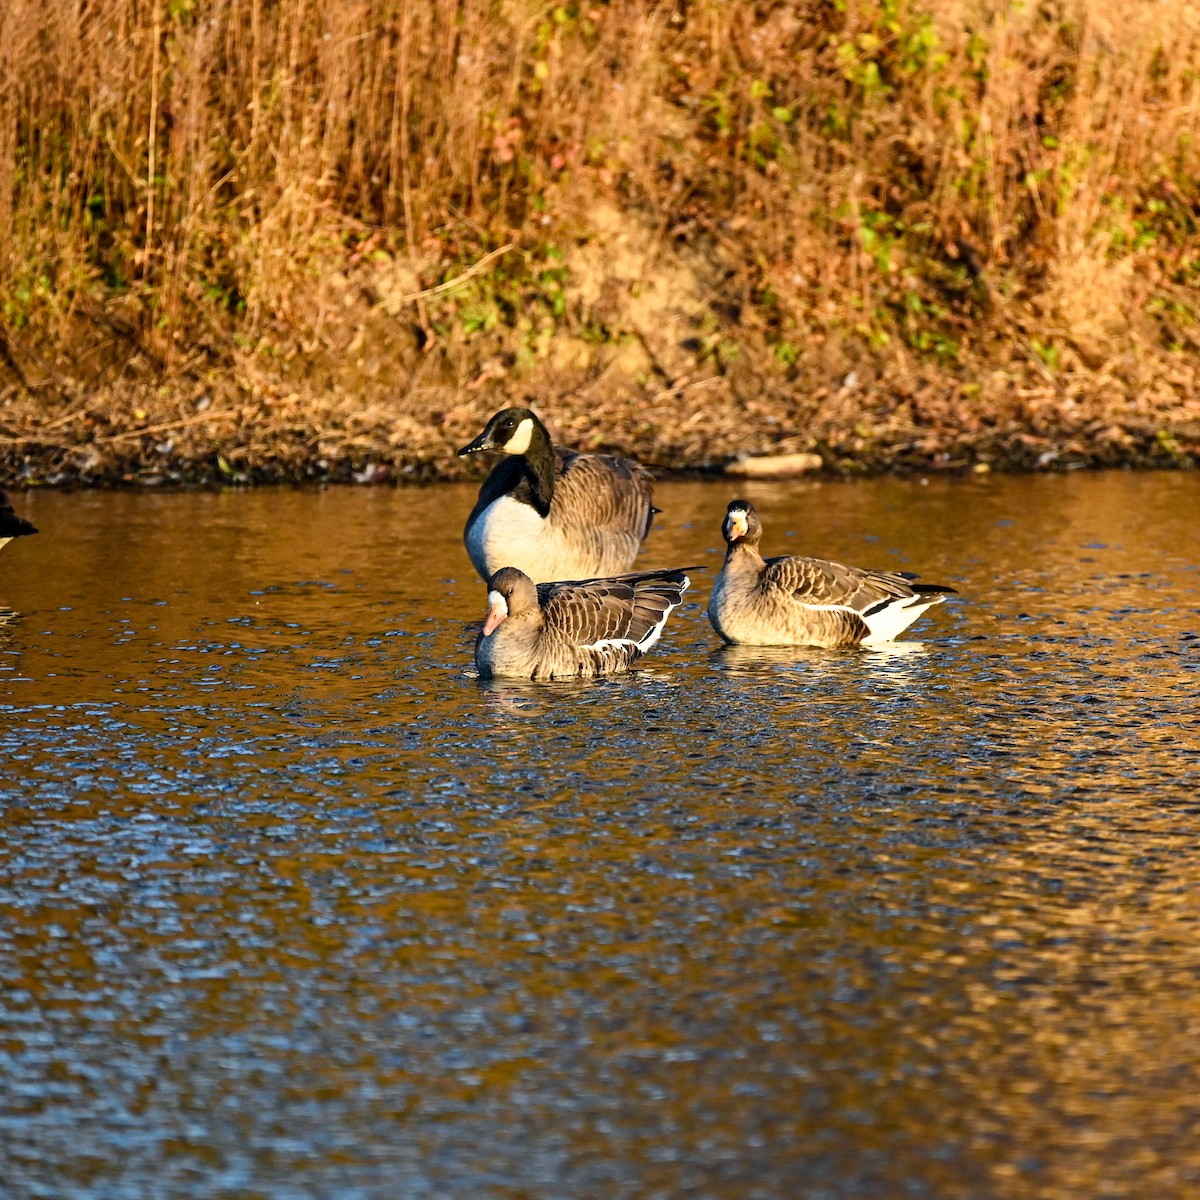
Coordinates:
x,y
11,526
793,601
589,627
554,513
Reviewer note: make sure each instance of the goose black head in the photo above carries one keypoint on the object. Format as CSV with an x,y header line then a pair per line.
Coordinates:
x,y
511,431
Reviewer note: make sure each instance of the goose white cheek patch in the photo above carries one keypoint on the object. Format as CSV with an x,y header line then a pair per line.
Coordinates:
x,y
521,439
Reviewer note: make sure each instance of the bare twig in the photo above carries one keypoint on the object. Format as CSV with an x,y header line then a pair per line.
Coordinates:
x,y
166,426
687,387
66,419
457,281
153,138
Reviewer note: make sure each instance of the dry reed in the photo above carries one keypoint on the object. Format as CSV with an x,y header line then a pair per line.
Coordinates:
x,y
816,187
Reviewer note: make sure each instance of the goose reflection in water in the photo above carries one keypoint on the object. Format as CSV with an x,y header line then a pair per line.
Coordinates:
x,y
754,659
645,691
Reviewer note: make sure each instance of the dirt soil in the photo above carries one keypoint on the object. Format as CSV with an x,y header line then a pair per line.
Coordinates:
x,y
375,389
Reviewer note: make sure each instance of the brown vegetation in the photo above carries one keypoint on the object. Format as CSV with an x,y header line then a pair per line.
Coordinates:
x,y
277,238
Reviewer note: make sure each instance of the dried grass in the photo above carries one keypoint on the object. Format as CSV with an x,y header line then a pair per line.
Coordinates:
x,y
773,196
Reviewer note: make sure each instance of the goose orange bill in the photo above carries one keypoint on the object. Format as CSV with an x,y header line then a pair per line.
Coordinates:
x,y
497,611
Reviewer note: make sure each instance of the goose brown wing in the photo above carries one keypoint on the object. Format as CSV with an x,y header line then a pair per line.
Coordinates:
x,y
816,581
611,493
656,593
624,608
596,610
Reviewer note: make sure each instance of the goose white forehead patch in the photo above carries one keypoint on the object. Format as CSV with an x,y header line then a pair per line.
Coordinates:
x,y
522,438
495,600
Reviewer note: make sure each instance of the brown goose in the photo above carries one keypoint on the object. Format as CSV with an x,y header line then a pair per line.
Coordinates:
x,y
11,526
793,601
554,513
557,630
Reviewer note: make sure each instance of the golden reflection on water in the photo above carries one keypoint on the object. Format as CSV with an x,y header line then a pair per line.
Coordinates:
x,y
291,903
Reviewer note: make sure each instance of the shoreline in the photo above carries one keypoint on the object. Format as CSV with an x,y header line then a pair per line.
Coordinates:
x,y
260,443
362,402
421,475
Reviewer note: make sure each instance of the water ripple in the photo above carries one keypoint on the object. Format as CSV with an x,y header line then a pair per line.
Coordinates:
x,y
293,904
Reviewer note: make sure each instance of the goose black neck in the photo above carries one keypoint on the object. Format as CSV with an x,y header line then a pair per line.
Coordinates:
x,y
537,471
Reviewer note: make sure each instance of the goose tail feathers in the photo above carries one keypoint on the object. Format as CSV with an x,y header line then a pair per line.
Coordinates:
x,y
888,619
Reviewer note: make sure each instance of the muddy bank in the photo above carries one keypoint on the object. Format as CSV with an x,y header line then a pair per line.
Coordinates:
x,y
370,405
219,435
373,382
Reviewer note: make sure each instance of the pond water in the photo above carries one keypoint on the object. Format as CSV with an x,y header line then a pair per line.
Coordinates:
x,y
292,905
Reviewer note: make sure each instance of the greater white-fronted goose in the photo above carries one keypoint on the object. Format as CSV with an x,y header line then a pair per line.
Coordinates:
x,y
794,601
554,513
11,526
583,628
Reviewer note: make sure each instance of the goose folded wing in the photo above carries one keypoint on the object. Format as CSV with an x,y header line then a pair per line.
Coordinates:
x,y
592,613
614,493
651,608
816,582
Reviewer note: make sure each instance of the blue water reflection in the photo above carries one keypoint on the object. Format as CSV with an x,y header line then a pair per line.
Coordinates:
x,y
292,904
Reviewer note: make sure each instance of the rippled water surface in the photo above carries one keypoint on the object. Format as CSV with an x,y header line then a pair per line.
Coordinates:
x,y
293,906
